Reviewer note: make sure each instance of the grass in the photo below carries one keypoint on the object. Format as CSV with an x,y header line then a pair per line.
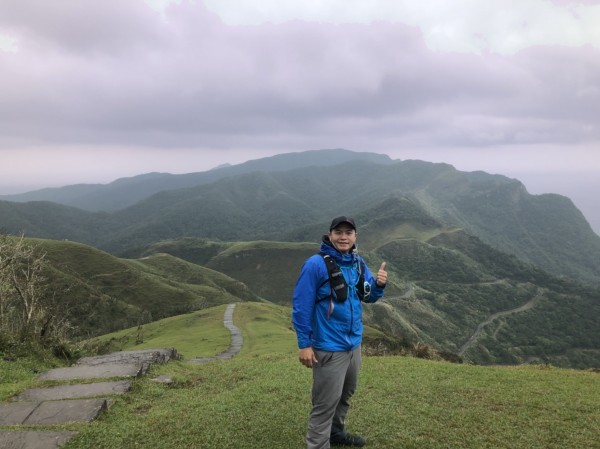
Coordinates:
x,y
261,399
16,377
197,334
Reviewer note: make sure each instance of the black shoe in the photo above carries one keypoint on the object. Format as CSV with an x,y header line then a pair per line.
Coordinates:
x,y
345,439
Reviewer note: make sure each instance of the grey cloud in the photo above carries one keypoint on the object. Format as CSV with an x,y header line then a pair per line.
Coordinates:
x,y
81,27
117,73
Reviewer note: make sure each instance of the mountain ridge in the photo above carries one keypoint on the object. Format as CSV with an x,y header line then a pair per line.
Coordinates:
x,y
546,230
125,192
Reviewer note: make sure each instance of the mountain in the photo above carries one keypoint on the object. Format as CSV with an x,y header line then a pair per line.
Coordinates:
x,y
545,230
44,219
296,205
125,192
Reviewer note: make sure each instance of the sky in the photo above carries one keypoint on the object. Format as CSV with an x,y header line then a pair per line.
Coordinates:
x,y
93,91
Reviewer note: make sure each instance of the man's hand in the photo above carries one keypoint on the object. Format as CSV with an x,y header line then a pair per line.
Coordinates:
x,y
307,357
382,276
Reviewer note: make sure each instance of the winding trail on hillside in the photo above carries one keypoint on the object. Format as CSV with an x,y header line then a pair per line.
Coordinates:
x,y
237,340
409,293
528,305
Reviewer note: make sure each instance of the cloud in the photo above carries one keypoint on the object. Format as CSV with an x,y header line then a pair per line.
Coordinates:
x,y
497,26
185,75
127,75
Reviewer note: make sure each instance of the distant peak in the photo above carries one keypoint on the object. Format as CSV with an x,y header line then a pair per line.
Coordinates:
x,y
220,166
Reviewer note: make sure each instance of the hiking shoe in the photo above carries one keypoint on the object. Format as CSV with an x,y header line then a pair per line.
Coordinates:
x,y
345,439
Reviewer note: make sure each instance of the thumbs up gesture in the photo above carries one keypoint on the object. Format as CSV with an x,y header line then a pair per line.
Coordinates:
x,y
382,276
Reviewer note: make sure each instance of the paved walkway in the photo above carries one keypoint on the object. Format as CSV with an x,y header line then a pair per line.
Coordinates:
x,y
237,340
76,403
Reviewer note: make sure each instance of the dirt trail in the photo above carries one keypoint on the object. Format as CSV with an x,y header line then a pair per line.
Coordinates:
x,y
528,305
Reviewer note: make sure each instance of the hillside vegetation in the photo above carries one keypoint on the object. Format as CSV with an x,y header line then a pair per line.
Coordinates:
x,y
446,289
259,202
261,399
101,293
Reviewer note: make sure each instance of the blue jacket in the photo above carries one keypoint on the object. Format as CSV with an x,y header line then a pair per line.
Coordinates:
x,y
320,322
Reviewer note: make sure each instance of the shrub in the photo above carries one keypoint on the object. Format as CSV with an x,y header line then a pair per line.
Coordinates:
x,y
29,316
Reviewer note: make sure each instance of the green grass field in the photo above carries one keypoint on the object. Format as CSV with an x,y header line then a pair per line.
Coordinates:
x,y
261,398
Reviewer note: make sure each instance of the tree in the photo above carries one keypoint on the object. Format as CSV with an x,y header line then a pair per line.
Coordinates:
x,y
27,307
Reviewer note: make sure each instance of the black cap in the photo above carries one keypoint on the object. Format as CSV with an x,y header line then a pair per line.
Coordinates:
x,y
343,219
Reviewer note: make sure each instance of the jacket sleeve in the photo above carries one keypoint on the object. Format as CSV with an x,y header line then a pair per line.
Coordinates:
x,y
376,290
303,301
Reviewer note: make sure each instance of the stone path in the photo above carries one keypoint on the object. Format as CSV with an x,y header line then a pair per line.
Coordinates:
x,y
76,403
237,340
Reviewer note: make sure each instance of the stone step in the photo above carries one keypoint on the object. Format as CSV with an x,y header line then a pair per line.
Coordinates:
x,y
57,405
117,364
93,372
34,439
51,412
77,391
144,356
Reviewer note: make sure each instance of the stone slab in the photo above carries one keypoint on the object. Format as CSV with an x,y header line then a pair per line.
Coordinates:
x,y
51,412
61,412
34,439
75,391
93,372
15,413
147,356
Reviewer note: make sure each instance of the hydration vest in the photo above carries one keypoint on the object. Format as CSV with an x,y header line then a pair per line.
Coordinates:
x,y
337,282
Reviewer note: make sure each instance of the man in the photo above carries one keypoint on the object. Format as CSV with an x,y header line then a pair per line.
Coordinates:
x,y
327,318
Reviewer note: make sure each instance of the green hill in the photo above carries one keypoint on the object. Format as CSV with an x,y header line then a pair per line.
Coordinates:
x,y
282,206
53,221
290,205
267,268
444,285
101,293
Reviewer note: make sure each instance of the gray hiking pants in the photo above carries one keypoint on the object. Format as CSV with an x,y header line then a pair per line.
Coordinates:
x,y
334,381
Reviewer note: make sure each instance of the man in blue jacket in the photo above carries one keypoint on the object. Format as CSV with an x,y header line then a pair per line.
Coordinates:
x,y
328,323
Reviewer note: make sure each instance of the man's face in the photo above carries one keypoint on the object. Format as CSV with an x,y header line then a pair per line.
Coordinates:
x,y
343,237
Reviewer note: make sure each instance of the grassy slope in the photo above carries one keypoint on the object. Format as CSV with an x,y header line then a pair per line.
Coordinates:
x,y
196,334
103,293
260,399
269,269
